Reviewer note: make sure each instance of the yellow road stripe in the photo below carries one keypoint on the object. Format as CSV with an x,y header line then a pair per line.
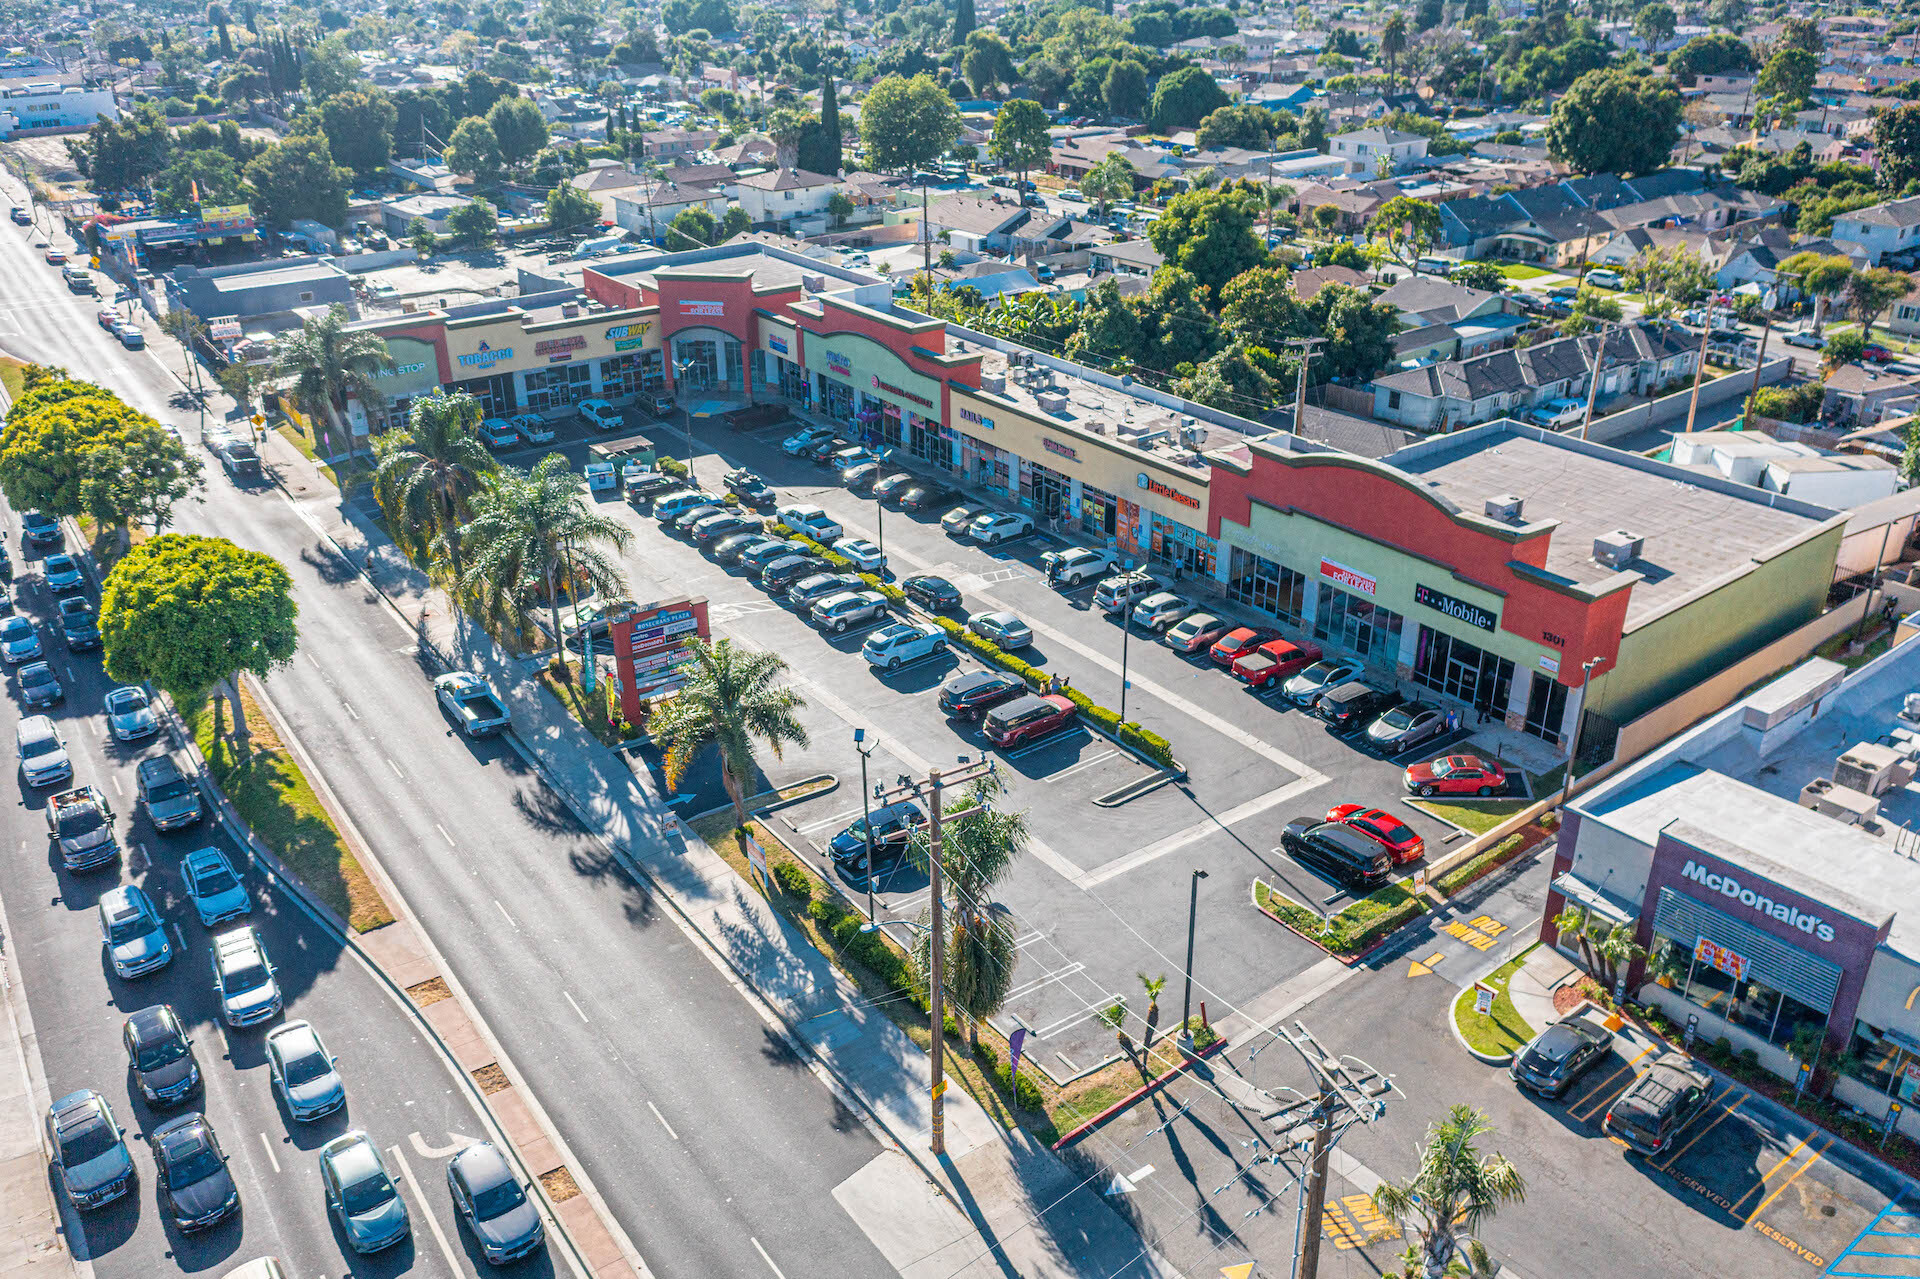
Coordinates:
x,y
1710,1127
1785,1159
1790,1180
1574,1109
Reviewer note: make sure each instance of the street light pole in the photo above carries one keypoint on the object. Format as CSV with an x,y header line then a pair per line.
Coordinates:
x,y
1126,634
1579,721
866,814
680,368
1186,999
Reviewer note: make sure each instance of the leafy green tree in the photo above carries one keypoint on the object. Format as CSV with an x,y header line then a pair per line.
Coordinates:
x,y
963,23
533,537
987,63
1259,306
1909,450
977,849
1479,275
1406,226
1234,379
474,149
839,205
1020,140
1246,126
519,128
683,16
907,124
1125,89
1871,291
1455,1188
693,228
1208,233
328,68
738,220
1896,145
569,207
1359,332
1108,181
1805,34
126,154
192,613
1731,14
359,128
1591,307
325,361
1714,54
1843,348
1615,121
1787,79
1110,333
422,238
212,175
1180,327
74,448
474,224
297,178
733,701
1184,98
1654,24
426,475
1822,278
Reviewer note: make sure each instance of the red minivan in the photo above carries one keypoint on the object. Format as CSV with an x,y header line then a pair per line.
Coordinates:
x,y
1025,718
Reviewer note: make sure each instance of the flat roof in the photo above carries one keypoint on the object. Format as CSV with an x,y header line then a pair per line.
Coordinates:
x,y
1698,529
304,273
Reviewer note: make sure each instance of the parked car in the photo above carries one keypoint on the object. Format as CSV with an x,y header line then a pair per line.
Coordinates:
x,y
1806,338
1159,611
687,519
195,1187
165,792
1305,688
893,830
845,459
787,570
20,216
860,477
1556,414
996,527
1657,1105
811,520
1602,278
303,1072
61,573
214,887
729,549
806,437
1027,718
1405,727
471,703
243,978
79,628
889,487
1119,593
755,560
865,556
823,448
496,433
160,1055
922,494
970,695
1240,641
931,592
1275,660
533,428
956,522
725,524
1400,840
89,1150
54,257
132,338
837,613
1348,706
1560,1054
132,931
1456,775
491,1200
808,591
1878,354
361,1194
894,646
106,317
1194,632
42,751
601,415
1350,858
671,507
1002,628
749,488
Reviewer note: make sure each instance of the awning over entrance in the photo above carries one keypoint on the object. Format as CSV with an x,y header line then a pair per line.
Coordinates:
x,y
1581,893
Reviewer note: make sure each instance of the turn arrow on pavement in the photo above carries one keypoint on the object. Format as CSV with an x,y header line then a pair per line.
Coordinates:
x,y
1422,967
421,1148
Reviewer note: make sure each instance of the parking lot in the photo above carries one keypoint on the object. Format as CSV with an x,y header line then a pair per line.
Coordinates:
x,y
1103,897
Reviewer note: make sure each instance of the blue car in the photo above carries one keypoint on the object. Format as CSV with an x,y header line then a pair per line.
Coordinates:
x,y
361,1194
132,931
89,1150
216,891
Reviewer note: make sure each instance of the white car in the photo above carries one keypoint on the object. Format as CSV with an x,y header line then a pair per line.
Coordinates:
x,y
865,555
601,415
838,612
894,646
243,978
496,433
42,751
1159,611
812,521
130,714
532,427
1002,628
999,526
1117,593
803,439
1076,564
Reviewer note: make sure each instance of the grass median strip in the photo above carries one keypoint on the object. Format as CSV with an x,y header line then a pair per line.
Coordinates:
x,y
273,796
1350,931
1501,1031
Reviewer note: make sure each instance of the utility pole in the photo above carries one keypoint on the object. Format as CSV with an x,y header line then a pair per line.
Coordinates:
x,y
1308,348
929,792
1700,366
1593,378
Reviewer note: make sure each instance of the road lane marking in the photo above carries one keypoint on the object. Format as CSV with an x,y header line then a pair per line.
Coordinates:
x,y
179,938
1781,1188
396,769
352,712
118,788
1718,1120
271,1157
764,1257
1785,1159
663,1121
426,1210
578,1009
443,835
1600,1087
503,911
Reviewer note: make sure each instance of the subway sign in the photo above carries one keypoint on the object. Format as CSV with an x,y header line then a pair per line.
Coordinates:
x,y
1458,610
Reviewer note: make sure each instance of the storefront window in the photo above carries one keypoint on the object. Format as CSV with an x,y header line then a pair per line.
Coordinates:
x,y
620,375
1449,665
1099,512
1187,549
1357,623
559,386
1047,490
495,393
653,370
1269,587
1748,1003
701,362
1546,708
836,399
1881,1063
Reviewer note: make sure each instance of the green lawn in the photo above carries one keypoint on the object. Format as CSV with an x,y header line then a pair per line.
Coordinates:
x,y
1501,1031
348,472
275,799
1476,815
1521,271
12,375
1835,649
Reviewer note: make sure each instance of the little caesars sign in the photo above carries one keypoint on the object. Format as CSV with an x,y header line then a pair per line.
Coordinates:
x,y
1728,886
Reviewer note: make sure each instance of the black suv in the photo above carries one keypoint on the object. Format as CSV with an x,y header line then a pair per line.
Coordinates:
x,y
749,488
970,696
160,1055
1338,850
893,830
1351,706
1653,1110
782,573
1560,1054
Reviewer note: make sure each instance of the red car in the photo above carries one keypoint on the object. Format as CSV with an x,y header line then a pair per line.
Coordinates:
x,y
1236,642
106,315
1025,718
1274,660
1384,828
55,257
1456,775
1878,354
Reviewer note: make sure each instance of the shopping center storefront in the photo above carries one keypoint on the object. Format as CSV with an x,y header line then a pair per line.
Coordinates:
x,y
415,373
860,383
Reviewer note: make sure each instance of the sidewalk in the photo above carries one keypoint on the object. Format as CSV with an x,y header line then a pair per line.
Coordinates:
x,y
1010,1205
1531,988
31,1231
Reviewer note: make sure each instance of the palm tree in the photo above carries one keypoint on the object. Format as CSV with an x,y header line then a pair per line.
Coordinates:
x,y
327,361
1616,951
732,699
533,536
977,849
1114,1017
1573,922
425,476
978,961
1455,1187
1154,985
1393,43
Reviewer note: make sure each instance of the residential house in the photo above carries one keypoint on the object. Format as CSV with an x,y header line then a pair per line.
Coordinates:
x,y
1073,158
1889,228
753,153
1862,396
1128,257
648,208
1427,299
1905,319
1369,149
670,143
970,222
396,215
781,195
603,180
1355,206
1308,281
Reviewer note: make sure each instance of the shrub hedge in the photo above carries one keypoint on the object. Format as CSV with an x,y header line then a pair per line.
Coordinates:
x,y
1359,925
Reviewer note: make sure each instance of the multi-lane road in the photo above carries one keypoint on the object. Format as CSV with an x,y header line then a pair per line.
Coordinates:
x,y
715,1148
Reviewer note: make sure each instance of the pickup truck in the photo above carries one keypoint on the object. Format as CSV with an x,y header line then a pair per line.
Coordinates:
x,y
240,458
472,704
81,822
1274,660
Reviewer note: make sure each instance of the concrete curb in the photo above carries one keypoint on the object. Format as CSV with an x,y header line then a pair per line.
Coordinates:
x,y
1453,1020
1151,1086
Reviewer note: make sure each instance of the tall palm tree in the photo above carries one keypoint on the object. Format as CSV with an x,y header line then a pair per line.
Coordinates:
x,y
326,361
533,537
976,851
1456,1186
732,700
1393,43
425,477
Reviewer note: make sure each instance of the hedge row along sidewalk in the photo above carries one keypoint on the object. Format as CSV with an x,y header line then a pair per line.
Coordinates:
x,y
1129,734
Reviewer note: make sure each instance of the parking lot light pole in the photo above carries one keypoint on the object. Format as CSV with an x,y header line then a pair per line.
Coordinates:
x,y
1126,634
1186,999
866,814
680,368
1579,721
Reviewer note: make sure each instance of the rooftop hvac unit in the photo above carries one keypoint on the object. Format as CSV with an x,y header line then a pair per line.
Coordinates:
x,y
1872,769
995,382
1192,436
814,283
1617,549
1829,799
1506,508
1053,402
569,309
1910,707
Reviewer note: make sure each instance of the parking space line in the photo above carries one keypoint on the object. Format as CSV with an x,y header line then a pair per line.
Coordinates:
x,y
1043,744
1785,1159
1574,1109
1083,764
1198,831
1718,1120
1047,978
836,820
1781,1188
